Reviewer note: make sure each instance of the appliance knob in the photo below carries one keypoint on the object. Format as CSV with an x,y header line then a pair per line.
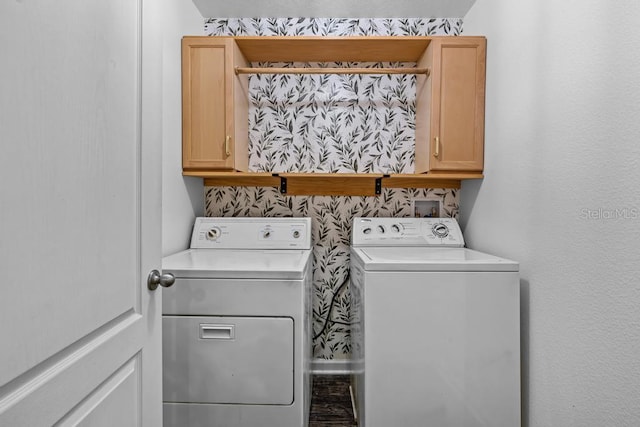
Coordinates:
x,y
366,230
395,228
266,234
213,233
381,229
296,234
440,230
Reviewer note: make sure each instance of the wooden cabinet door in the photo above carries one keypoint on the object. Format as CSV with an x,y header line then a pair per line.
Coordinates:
x,y
212,130
450,124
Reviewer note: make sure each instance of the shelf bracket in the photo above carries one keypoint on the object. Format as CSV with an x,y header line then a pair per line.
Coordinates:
x,y
283,183
378,188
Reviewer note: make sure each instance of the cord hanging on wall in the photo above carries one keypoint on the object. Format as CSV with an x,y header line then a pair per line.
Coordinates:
x,y
328,319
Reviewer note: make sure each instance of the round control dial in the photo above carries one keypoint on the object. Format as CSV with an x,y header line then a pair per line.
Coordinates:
x,y
440,230
213,233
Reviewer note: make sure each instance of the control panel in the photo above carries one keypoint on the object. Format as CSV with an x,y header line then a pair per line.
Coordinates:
x,y
251,233
406,232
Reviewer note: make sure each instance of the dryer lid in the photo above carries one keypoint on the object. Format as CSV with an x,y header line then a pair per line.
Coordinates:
x,y
429,259
238,264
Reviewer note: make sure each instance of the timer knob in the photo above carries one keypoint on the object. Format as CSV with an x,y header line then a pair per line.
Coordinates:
x,y
213,233
440,230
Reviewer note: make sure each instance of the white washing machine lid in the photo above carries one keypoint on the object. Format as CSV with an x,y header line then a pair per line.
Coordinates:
x,y
238,263
429,259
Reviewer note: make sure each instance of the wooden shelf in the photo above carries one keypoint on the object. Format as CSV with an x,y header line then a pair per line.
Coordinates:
x,y
236,179
332,184
332,49
428,180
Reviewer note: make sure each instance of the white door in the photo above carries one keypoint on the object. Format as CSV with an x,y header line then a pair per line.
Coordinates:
x,y
79,213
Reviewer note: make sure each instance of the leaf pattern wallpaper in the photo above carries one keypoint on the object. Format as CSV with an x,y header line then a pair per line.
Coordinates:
x,y
329,123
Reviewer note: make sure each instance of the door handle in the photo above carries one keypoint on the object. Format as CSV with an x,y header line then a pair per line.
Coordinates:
x,y
227,145
216,332
437,150
154,279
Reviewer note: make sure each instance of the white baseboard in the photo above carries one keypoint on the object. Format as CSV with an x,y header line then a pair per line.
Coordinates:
x,y
331,366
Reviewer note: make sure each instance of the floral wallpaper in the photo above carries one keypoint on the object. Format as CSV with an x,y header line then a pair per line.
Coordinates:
x,y
330,123
333,26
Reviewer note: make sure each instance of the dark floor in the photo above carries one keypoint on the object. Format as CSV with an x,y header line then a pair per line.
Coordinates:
x,y
331,402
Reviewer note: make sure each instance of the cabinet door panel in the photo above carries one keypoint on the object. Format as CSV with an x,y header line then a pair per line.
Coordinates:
x,y
207,122
458,101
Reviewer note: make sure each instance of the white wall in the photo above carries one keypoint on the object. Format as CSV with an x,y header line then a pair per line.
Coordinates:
x,y
333,8
562,155
182,198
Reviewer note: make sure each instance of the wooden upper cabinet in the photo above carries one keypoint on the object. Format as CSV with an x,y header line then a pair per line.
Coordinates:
x,y
450,94
214,105
450,106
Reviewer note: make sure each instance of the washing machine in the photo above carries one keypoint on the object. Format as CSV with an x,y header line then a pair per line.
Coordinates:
x,y
237,325
436,327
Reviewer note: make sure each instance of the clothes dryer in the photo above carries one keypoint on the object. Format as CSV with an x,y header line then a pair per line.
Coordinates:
x,y
436,327
237,325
